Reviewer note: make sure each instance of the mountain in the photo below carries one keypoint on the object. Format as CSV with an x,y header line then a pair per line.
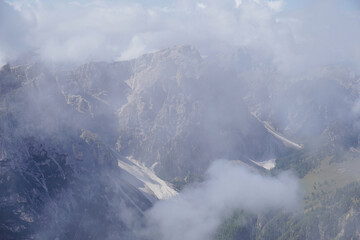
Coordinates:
x,y
303,107
318,110
86,151
59,180
82,149
171,107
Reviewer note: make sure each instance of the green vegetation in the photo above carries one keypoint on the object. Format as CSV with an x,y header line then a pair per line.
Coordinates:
x,y
336,217
238,226
302,161
331,203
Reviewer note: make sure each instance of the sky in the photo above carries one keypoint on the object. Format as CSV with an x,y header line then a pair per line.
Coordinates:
x,y
288,31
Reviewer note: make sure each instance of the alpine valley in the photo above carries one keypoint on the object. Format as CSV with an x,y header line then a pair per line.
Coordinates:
x,y
86,152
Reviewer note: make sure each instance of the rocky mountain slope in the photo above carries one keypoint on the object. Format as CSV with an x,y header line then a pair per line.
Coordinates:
x,y
69,140
86,151
172,109
58,180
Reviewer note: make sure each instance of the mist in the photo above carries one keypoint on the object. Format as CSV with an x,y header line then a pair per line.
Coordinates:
x,y
198,210
167,88
293,37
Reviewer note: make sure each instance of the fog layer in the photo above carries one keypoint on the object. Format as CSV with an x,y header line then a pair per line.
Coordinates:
x,y
197,211
291,35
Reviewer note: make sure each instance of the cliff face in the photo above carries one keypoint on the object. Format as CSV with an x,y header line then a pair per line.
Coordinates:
x,y
56,180
179,113
304,106
63,133
79,148
171,109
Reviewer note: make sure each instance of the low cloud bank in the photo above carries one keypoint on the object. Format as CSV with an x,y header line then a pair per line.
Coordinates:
x,y
198,210
293,36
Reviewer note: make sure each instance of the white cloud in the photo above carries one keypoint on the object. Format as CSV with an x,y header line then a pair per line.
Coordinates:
x,y
276,5
13,32
201,5
238,3
136,48
108,30
198,210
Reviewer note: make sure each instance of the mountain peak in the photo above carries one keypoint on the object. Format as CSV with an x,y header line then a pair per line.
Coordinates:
x,y
177,53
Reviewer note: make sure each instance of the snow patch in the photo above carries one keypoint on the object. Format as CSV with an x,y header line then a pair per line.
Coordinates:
x,y
268,164
271,130
152,184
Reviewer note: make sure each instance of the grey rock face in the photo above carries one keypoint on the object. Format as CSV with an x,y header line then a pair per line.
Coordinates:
x,y
184,113
304,106
56,180
171,108
62,133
